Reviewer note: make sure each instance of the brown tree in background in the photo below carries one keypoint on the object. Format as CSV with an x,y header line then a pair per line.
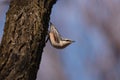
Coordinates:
x,y
24,38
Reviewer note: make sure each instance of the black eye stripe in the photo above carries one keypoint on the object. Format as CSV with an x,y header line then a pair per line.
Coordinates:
x,y
66,40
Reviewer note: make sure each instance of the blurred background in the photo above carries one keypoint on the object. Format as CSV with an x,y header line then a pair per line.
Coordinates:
x,y
95,27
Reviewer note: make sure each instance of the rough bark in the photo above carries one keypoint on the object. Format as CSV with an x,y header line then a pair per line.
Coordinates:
x,y
24,38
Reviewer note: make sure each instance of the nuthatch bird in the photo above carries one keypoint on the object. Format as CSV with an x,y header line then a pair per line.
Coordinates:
x,y
56,39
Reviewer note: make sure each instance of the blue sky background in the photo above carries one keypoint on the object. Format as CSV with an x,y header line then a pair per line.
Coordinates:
x,y
3,10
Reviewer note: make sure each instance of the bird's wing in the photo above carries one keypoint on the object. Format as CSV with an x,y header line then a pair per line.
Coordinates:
x,y
56,33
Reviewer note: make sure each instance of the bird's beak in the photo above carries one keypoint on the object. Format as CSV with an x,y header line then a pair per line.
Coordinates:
x,y
73,41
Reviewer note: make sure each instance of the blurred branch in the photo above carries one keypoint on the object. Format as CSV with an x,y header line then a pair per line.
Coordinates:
x,y
6,1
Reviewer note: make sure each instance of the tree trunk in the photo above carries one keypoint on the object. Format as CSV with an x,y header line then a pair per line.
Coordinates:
x,y
24,38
